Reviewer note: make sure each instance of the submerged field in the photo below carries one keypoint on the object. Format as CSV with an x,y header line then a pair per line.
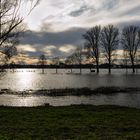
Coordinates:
x,y
81,122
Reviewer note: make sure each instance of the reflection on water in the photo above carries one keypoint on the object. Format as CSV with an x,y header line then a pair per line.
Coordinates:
x,y
26,79
122,99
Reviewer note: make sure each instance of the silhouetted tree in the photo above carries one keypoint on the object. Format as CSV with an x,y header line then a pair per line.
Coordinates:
x,y
130,43
92,38
56,61
139,36
12,65
109,41
77,56
42,61
70,61
139,47
137,60
11,21
125,59
9,52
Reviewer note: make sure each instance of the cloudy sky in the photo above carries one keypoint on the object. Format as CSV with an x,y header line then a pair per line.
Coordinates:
x,y
55,27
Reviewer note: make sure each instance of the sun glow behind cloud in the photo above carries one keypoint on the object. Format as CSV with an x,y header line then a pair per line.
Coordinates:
x,y
67,48
26,48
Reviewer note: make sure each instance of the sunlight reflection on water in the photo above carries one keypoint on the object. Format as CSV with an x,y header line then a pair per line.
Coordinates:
x,y
121,99
24,80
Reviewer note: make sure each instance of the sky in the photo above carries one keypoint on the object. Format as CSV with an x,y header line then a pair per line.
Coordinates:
x,y
55,27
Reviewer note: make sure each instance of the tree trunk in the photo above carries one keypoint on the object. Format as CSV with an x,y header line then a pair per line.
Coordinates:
x,y
80,70
71,70
97,60
42,70
133,65
97,65
126,67
109,67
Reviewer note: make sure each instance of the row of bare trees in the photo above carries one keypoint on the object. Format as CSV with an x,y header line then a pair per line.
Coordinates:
x,y
108,39
103,43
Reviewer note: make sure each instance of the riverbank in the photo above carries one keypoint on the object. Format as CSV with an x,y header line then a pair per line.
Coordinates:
x,y
73,91
83,122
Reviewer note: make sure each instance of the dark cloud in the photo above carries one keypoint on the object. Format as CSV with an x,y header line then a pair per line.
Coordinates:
x,y
124,24
40,40
80,11
70,37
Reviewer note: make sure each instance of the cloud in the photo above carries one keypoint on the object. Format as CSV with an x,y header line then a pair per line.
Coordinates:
x,y
26,48
67,48
72,36
77,12
50,50
51,43
87,13
80,13
51,47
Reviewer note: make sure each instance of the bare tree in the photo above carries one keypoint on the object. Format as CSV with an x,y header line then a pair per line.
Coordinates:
x,y
70,61
125,59
139,36
130,43
11,21
77,56
56,62
109,41
9,52
138,48
92,38
12,66
42,61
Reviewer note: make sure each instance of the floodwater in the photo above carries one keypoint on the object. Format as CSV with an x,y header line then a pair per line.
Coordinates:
x,y
121,99
27,79
33,79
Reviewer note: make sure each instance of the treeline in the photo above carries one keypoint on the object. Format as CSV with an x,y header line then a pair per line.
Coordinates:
x,y
64,66
104,42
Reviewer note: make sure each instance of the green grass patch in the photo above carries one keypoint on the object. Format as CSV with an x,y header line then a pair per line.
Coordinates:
x,y
83,122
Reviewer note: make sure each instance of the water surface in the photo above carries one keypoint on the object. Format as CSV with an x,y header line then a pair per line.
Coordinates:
x,y
121,99
26,79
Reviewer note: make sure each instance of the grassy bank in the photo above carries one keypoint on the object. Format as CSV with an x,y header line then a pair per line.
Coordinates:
x,y
70,123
